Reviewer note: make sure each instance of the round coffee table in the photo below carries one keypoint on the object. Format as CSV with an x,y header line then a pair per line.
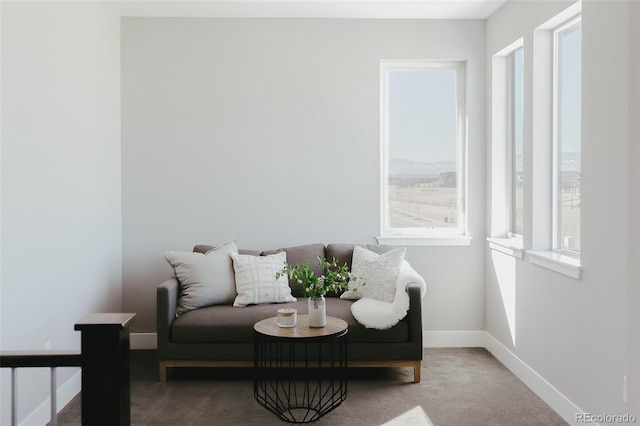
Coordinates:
x,y
300,371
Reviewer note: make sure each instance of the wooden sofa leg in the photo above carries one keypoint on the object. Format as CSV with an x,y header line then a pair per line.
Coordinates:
x,y
163,372
416,372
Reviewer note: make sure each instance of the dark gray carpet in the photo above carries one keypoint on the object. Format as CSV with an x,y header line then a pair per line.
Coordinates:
x,y
460,386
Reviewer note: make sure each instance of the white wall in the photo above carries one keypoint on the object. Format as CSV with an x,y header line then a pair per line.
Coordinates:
x,y
267,130
575,333
633,299
61,223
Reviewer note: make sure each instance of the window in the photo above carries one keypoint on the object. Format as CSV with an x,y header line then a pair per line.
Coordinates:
x,y
556,143
515,142
567,136
423,136
506,156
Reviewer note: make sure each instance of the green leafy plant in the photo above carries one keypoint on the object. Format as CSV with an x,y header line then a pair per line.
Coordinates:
x,y
334,277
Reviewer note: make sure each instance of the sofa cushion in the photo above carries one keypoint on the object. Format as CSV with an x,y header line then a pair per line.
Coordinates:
x,y
205,279
300,254
225,324
379,272
256,280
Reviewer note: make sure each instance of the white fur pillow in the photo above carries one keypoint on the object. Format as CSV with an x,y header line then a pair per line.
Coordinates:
x,y
379,272
205,279
256,281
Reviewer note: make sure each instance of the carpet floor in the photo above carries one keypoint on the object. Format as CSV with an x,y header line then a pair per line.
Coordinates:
x,y
460,386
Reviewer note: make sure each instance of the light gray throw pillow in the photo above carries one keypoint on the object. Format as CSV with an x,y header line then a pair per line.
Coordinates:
x,y
205,279
256,279
379,272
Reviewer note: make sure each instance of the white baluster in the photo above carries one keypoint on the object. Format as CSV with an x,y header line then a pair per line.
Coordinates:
x,y
14,397
54,398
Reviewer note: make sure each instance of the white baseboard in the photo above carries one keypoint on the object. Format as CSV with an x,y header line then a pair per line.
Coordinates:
x,y
541,387
66,392
538,384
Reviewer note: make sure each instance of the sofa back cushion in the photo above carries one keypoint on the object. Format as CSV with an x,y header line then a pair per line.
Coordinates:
x,y
300,254
310,252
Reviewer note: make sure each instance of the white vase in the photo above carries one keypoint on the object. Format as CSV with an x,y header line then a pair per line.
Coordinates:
x,y
317,312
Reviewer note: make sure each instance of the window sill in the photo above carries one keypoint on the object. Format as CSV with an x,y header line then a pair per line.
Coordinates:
x,y
510,246
425,240
557,262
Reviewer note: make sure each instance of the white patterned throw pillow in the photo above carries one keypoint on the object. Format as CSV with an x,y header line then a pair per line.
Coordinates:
x,y
379,272
205,279
256,281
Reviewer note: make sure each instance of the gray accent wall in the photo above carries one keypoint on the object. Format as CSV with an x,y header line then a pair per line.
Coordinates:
x,y
268,130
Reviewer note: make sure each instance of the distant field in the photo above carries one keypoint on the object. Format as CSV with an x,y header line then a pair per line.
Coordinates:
x,y
425,205
422,206
570,217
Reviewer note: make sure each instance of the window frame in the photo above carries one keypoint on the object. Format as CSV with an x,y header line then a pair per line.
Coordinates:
x,y
556,236
540,246
420,235
511,139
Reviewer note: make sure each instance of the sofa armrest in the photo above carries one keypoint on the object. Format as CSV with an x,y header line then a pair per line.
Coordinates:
x,y
166,305
408,275
415,316
415,286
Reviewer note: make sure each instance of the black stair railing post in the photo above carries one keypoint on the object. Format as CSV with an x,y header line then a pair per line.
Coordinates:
x,y
106,388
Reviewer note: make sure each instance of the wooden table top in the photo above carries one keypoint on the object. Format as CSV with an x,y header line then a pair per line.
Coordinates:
x,y
269,327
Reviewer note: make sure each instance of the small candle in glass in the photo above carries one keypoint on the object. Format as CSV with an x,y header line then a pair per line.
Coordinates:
x,y
287,317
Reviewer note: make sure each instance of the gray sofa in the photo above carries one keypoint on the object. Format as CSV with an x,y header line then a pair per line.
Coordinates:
x,y
222,336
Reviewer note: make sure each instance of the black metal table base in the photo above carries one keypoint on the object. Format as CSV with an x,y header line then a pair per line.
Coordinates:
x,y
302,381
